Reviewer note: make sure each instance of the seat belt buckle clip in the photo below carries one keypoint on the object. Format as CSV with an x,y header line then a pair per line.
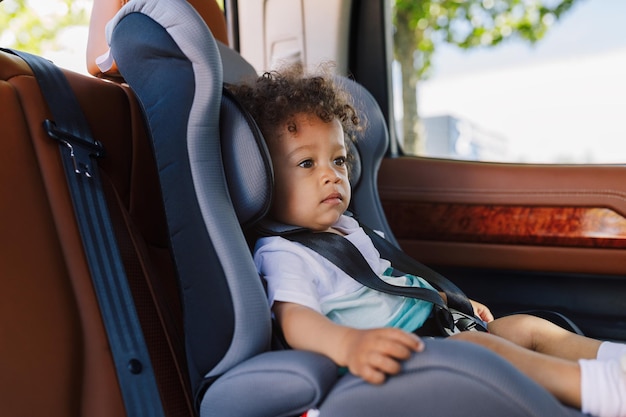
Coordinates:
x,y
81,150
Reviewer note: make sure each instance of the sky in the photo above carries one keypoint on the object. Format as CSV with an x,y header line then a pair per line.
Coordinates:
x,y
562,99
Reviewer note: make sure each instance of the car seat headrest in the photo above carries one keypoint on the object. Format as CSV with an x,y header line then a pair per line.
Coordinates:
x,y
371,144
355,165
247,163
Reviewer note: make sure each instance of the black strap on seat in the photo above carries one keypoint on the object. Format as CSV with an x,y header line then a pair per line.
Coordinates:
x,y
345,255
341,252
456,314
400,260
78,150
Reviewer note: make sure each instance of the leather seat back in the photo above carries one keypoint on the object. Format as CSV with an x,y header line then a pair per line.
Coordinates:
x,y
54,343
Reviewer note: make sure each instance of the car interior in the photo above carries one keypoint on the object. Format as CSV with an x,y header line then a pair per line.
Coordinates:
x,y
186,177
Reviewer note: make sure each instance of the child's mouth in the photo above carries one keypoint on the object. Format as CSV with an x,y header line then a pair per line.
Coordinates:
x,y
334,198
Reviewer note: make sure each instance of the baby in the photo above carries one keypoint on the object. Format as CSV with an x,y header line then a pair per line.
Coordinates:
x,y
307,121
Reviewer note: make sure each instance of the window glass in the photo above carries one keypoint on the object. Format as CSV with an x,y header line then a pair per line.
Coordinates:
x,y
559,100
55,29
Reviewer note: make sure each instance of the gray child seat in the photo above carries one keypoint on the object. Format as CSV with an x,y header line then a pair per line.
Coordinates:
x,y
216,180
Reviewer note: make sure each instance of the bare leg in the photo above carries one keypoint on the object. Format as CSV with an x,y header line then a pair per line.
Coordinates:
x,y
560,377
542,336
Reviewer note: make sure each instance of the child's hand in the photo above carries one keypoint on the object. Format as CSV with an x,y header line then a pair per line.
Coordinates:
x,y
482,311
374,354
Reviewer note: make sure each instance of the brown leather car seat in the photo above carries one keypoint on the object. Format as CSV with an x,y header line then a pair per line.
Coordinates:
x,y
54,353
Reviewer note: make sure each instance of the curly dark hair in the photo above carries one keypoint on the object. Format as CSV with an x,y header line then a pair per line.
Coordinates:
x,y
274,98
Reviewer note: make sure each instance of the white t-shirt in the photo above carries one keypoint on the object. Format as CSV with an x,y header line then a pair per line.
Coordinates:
x,y
297,274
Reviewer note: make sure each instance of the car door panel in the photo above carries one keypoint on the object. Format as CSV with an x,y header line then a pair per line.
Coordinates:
x,y
517,236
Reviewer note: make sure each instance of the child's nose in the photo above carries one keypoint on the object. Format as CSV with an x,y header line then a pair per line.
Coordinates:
x,y
330,174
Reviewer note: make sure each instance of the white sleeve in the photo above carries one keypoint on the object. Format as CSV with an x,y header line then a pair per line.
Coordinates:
x,y
292,275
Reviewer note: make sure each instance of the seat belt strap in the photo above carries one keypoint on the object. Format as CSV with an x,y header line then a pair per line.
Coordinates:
x,y
78,150
341,252
400,260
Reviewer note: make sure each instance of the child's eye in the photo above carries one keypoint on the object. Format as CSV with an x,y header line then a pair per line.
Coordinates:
x,y
341,161
306,163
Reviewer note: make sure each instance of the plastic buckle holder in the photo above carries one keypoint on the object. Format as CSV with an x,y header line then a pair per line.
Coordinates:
x,y
81,150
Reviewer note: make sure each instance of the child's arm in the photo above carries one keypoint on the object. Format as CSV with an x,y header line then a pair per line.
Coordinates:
x,y
371,354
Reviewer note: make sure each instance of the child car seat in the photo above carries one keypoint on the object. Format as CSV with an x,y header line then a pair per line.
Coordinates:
x,y
216,176
370,149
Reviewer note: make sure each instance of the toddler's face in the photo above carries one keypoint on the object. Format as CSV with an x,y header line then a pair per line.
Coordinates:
x,y
311,174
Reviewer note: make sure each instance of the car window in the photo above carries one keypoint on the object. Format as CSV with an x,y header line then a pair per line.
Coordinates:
x,y
558,100
54,29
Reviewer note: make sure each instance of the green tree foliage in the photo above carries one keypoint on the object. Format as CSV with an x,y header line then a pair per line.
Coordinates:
x,y
421,24
33,26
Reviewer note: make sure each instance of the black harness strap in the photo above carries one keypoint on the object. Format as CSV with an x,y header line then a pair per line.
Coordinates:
x,y
78,149
341,252
453,315
400,260
345,255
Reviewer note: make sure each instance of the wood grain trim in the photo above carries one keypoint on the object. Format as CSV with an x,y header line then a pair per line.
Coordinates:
x,y
582,227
